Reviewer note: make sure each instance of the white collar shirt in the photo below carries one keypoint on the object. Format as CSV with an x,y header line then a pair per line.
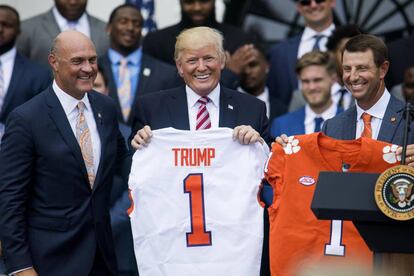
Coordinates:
x,y
377,111
81,25
336,95
307,39
212,106
310,116
69,105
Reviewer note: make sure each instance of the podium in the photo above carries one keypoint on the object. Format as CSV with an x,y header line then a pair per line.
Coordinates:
x,y
350,196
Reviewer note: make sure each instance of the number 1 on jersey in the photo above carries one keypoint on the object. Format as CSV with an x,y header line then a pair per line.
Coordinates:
x,y
193,185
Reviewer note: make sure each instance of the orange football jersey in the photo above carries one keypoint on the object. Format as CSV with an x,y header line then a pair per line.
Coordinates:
x,y
297,237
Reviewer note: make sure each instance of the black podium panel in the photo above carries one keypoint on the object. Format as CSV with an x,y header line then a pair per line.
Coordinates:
x,y
350,196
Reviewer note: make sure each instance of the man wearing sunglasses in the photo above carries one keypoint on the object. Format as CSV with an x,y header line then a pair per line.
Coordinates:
x,y
318,17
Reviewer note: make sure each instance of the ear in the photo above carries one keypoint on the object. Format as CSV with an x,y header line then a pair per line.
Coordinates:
x,y
384,69
179,67
53,62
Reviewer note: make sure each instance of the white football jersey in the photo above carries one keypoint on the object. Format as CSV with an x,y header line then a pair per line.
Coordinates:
x,y
195,204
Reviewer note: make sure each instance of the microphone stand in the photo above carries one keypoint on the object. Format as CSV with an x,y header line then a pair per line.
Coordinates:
x,y
408,115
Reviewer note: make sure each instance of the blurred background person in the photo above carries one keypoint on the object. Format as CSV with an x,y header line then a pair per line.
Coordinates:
x,y
131,73
408,85
317,73
20,78
253,81
318,17
39,31
237,43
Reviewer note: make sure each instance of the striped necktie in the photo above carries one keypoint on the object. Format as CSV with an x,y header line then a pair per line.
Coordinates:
x,y
124,89
203,117
316,46
367,132
85,142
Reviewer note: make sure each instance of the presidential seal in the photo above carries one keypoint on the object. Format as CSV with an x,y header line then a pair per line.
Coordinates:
x,y
394,193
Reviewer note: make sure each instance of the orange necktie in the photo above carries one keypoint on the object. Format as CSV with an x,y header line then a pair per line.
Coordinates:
x,y
367,132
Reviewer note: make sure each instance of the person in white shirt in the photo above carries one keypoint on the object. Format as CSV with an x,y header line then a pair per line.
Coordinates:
x,y
39,31
318,17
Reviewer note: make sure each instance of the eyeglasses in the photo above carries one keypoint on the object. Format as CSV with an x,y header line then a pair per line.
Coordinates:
x,y
308,2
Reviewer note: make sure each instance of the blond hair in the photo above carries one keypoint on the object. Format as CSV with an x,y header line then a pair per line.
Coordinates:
x,y
197,38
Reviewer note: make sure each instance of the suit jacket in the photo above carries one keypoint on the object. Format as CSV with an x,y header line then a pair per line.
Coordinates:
x,y
343,126
37,34
292,123
282,79
162,76
27,80
169,109
51,219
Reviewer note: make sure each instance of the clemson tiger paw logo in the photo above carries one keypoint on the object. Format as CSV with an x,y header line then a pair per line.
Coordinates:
x,y
390,154
292,145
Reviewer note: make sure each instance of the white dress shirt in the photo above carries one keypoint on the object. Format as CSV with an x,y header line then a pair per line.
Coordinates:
x,y
377,112
308,40
81,25
336,95
212,106
310,116
69,105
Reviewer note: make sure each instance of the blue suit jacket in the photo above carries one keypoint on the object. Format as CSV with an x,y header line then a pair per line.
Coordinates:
x,y
169,109
282,79
51,219
343,126
27,80
292,123
162,76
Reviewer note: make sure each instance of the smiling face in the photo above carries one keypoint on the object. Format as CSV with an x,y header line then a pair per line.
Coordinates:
x,y
74,64
125,30
363,78
318,16
316,85
200,68
198,10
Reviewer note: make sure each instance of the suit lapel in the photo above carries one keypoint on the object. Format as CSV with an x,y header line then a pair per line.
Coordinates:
x,y
58,116
391,121
16,77
228,109
178,109
97,114
50,25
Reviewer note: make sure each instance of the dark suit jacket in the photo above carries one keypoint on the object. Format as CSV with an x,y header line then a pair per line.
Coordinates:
x,y
343,126
28,79
282,79
51,219
38,33
162,76
169,109
401,58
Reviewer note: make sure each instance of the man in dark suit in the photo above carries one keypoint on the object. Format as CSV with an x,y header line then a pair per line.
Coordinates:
x,y
199,59
146,74
54,190
194,13
318,18
38,32
401,58
317,73
253,81
365,64
21,78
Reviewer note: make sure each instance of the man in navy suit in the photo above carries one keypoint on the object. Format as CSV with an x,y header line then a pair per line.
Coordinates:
x,y
319,25
317,73
21,78
55,190
365,64
147,74
199,59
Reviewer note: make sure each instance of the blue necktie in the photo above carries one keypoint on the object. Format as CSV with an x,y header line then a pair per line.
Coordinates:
x,y
341,99
317,40
318,124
